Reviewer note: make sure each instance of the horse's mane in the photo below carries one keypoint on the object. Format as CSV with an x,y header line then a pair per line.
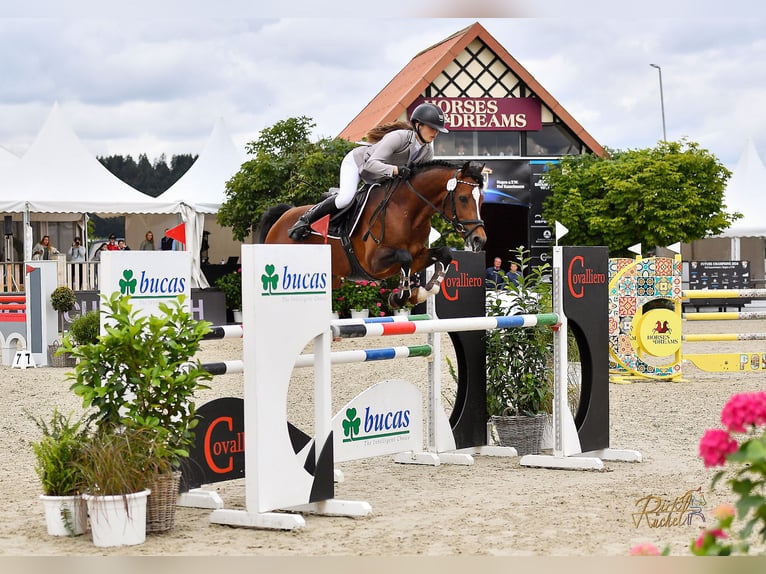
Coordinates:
x,y
376,134
473,169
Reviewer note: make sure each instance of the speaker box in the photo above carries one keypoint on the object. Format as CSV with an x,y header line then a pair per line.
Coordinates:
x,y
9,225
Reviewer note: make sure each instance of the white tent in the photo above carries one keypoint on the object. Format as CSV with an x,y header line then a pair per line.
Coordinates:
x,y
58,174
201,190
203,186
746,193
7,159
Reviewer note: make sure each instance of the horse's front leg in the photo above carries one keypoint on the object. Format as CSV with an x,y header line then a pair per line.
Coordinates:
x,y
440,258
403,259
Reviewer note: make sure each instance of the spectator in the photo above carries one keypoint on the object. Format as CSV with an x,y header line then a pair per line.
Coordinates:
x,y
148,243
122,246
495,277
112,245
513,275
166,243
76,255
44,249
99,251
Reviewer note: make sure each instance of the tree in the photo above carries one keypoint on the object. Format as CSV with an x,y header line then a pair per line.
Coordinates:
x,y
672,192
286,168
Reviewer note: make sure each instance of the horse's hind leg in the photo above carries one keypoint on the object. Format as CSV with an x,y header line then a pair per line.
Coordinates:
x,y
440,258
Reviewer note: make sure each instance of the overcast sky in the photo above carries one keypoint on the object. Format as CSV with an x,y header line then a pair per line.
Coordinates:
x,y
155,81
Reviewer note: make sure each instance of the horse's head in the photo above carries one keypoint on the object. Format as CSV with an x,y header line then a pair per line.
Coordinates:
x,y
459,190
468,197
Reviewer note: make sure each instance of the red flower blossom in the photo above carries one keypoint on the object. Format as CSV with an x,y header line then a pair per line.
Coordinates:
x,y
744,409
715,445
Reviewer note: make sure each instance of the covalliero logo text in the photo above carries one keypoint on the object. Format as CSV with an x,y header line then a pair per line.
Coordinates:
x,y
293,280
380,426
144,285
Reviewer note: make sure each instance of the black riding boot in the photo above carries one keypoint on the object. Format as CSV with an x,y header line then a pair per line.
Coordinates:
x,y
301,228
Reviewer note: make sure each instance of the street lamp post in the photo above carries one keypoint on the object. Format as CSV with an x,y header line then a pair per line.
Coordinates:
x,y
662,102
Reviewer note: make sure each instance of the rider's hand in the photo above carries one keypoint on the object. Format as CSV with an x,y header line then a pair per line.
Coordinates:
x,y
403,171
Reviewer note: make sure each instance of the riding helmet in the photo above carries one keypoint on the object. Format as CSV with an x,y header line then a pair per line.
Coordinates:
x,y
430,115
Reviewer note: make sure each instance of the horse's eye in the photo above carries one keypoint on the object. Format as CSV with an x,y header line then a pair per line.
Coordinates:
x,y
463,199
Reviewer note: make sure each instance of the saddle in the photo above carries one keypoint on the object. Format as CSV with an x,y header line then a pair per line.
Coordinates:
x,y
343,223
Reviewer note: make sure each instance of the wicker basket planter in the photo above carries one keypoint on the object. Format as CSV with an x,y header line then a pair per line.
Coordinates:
x,y
62,360
524,433
161,504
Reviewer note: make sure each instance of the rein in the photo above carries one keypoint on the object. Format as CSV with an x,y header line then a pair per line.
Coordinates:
x,y
457,223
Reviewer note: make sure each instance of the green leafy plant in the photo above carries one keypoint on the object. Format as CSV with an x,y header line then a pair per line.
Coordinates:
x,y
519,361
121,461
62,300
85,329
360,295
58,452
140,373
231,285
741,449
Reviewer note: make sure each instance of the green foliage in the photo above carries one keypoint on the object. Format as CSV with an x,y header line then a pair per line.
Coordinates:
x,y
152,178
231,285
359,295
141,373
58,451
286,168
63,299
85,329
673,192
121,461
519,361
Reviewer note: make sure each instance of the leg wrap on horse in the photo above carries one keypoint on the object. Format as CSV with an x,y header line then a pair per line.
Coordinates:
x,y
301,228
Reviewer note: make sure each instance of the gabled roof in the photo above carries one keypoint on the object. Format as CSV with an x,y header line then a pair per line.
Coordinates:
x,y
58,174
404,88
745,194
204,184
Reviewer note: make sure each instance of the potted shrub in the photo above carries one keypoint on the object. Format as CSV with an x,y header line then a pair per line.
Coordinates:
x,y
116,468
62,300
85,329
231,285
520,362
363,298
141,372
57,454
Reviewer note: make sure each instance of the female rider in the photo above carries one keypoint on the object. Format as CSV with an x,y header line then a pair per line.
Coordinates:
x,y
374,163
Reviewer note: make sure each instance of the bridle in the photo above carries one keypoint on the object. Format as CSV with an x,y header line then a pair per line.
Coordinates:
x,y
458,224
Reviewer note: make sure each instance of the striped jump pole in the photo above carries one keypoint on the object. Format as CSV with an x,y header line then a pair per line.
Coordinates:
x,y
725,316
724,294
224,332
703,337
444,325
336,358
237,331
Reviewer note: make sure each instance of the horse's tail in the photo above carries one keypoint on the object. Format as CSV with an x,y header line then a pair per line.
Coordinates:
x,y
268,219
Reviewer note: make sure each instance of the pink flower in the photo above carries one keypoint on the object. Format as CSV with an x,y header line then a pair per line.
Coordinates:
x,y
715,533
645,549
744,409
715,445
723,511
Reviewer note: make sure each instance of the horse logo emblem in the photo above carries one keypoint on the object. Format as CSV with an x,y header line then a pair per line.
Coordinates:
x,y
662,327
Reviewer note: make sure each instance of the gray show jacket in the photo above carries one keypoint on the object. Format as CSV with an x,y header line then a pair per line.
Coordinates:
x,y
376,161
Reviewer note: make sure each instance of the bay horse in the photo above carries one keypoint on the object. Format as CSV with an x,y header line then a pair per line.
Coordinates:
x,y
387,227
